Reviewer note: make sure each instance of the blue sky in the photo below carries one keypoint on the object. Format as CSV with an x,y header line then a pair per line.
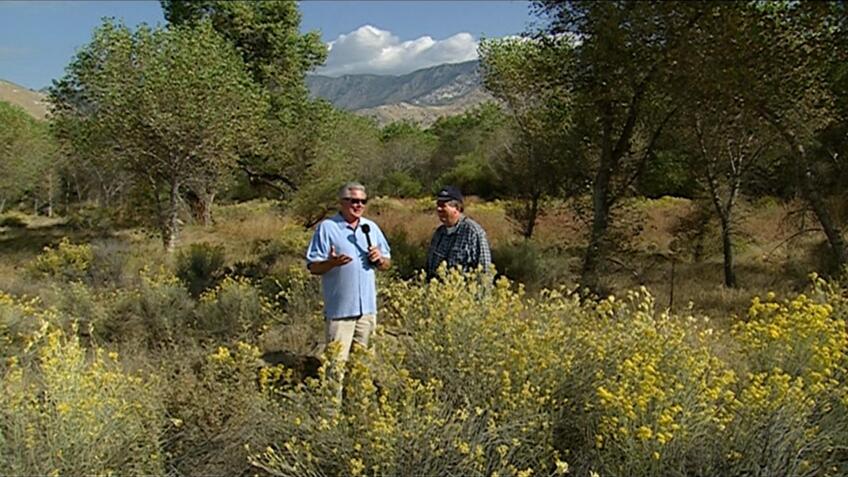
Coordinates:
x,y
38,38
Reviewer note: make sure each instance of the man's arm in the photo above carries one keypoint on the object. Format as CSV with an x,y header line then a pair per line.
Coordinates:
x,y
484,253
320,268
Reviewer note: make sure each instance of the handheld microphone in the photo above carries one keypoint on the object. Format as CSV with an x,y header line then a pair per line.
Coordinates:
x,y
366,229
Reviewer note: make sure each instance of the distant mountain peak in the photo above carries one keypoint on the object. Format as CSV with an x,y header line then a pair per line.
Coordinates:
x,y
450,88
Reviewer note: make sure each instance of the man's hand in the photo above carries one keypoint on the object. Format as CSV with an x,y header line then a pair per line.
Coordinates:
x,y
374,255
377,258
335,260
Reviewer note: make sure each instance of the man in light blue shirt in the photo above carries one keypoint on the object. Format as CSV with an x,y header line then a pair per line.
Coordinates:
x,y
345,251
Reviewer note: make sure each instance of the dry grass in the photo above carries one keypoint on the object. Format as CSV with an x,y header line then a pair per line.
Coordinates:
x,y
770,256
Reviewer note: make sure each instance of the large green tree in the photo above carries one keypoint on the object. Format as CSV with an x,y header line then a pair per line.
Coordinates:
x,y
624,56
793,51
525,74
267,36
172,106
27,159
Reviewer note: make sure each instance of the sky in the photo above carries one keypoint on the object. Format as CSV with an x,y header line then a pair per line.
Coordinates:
x,y
38,38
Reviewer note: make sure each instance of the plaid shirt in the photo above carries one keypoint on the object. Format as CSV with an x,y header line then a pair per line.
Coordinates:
x,y
465,246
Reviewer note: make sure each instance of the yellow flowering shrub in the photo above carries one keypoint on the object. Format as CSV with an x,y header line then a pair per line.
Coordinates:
x,y
67,261
792,408
71,414
466,388
219,405
22,321
646,395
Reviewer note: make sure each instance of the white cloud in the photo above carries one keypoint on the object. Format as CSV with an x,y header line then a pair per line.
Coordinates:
x,y
369,49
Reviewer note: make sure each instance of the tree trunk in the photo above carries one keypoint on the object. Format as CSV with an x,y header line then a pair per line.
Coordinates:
x,y
532,216
595,252
50,196
170,226
204,207
727,248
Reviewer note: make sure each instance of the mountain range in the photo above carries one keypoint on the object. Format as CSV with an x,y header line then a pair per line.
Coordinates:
x,y
421,96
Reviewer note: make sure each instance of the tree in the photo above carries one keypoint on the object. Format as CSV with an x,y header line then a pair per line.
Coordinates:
x,y
346,144
796,47
267,36
624,55
531,166
728,138
27,159
467,147
404,156
172,106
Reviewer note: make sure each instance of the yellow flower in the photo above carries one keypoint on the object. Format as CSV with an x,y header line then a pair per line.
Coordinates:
x,y
644,432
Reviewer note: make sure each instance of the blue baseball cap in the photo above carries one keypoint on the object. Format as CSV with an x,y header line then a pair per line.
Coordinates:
x,y
449,193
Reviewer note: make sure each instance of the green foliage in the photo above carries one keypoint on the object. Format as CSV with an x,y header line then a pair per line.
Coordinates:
x,y
518,261
408,258
348,142
399,184
402,162
66,262
13,221
474,133
187,84
27,158
233,309
668,174
200,267
66,414
474,175
266,34
155,313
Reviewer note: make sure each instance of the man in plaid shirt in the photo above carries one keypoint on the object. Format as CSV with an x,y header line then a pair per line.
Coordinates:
x,y
459,241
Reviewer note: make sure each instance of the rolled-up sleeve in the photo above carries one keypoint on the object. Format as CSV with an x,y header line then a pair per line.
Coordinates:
x,y
319,246
383,244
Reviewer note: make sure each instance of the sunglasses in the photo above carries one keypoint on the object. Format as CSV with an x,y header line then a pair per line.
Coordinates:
x,y
356,201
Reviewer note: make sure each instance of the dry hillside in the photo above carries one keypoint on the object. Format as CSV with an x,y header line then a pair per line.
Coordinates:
x,y
32,102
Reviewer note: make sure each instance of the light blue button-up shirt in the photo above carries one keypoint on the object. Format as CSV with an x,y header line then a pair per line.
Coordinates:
x,y
349,290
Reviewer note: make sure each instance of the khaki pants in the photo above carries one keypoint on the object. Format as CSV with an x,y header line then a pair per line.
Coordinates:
x,y
349,330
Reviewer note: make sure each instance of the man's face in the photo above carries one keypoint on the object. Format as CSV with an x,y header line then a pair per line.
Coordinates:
x,y
353,205
448,212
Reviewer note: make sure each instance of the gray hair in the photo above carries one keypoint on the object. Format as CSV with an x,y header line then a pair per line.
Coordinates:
x,y
456,204
344,191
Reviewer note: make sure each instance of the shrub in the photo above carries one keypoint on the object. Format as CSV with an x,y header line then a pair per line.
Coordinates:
x,y
219,406
646,394
154,313
21,321
518,261
109,263
235,308
408,258
91,217
69,415
200,267
400,184
468,390
13,221
66,262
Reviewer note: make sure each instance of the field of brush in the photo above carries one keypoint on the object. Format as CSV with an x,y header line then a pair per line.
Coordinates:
x,y
121,359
